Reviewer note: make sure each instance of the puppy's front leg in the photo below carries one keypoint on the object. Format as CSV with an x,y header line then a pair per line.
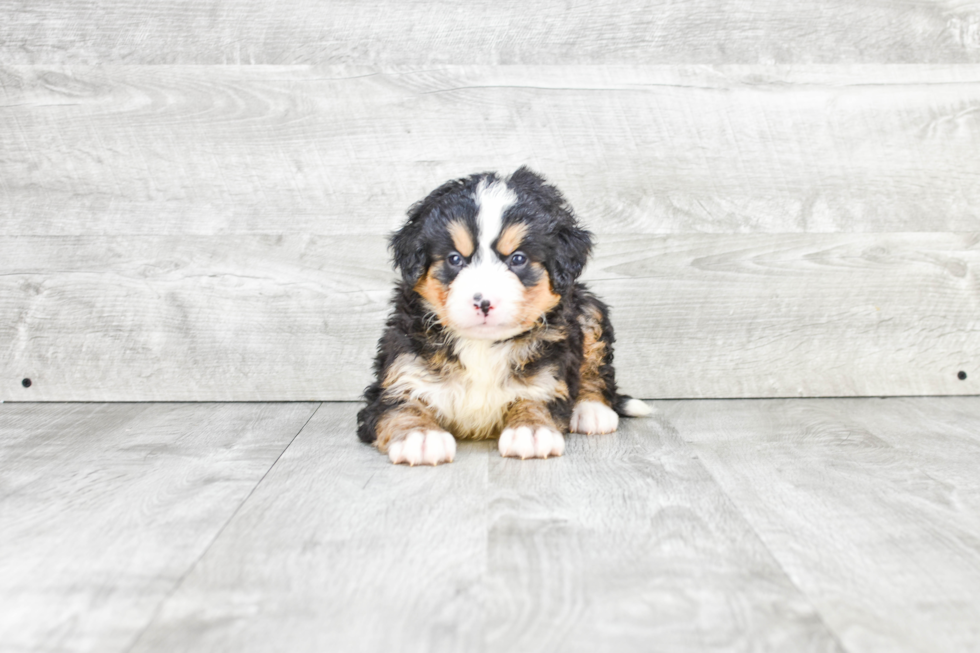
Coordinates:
x,y
530,432
410,434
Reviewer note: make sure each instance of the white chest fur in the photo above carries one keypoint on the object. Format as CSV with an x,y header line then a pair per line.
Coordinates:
x,y
471,399
485,386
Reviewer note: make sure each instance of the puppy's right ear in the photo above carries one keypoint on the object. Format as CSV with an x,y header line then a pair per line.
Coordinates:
x,y
407,248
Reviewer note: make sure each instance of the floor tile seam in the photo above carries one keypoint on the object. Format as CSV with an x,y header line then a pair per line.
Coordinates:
x,y
190,568
667,424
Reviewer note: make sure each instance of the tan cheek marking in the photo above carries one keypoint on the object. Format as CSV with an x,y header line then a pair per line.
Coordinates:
x,y
593,355
528,413
461,238
511,238
399,422
538,299
434,292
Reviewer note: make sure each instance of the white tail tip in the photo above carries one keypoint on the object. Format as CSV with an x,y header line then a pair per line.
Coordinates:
x,y
636,408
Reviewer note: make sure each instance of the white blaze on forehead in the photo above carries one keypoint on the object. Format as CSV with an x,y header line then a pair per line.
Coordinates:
x,y
492,199
487,276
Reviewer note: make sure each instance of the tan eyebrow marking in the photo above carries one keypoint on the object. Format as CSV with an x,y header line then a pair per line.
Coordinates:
x,y
461,238
511,238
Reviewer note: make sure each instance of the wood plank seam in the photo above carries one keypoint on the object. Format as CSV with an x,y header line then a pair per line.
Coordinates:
x,y
231,517
668,426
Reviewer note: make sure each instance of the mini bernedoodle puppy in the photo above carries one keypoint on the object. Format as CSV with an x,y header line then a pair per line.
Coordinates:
x,y
490,335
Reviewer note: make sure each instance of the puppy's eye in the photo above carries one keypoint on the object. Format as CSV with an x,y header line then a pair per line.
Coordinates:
x,y
455,260
517,259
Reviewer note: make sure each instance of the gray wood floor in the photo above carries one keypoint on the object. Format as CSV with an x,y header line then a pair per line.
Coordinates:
x,y
773,525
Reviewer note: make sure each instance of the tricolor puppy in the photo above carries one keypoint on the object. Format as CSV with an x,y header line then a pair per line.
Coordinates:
x,y
490,335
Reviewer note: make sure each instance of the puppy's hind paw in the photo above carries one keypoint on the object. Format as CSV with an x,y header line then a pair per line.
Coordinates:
x,y
423,448
531,442
593,417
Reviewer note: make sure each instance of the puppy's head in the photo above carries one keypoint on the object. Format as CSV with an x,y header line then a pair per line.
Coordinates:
x,y
491,255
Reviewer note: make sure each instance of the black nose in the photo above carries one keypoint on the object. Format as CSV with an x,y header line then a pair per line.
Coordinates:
x,y
485,306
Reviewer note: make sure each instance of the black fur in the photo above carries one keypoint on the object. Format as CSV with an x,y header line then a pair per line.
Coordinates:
x,y
566,245
412,245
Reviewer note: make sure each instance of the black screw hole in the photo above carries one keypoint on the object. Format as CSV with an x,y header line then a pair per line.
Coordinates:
x,y
26,383
961,376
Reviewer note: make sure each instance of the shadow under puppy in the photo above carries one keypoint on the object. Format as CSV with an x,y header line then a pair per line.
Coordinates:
x,y
490,335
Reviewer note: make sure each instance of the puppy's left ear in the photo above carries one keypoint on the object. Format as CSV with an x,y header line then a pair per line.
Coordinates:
x,y
572,249
572,244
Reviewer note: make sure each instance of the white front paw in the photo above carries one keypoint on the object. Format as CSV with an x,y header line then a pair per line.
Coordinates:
x,y
593,417
531,442
423,448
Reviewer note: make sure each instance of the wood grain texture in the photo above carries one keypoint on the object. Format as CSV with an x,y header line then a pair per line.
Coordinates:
x,y
939,436
104,507
861,506
345,149
193,318
626,544
481,31
297,317
793,315
339,550
786,525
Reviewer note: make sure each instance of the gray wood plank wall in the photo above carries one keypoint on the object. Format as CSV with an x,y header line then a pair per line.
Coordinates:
x,y
787,198
488,31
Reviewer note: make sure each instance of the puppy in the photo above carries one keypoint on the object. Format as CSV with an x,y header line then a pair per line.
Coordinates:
x,y
489,334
